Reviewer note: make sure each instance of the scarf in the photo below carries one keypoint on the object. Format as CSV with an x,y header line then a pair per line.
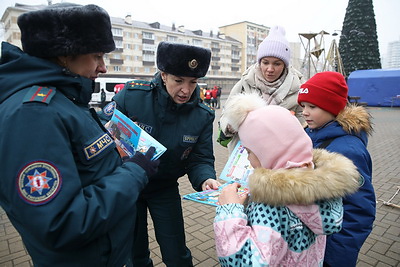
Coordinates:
x,y
269,90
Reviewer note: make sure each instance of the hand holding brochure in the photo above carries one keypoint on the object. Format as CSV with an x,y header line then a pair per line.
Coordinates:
x,y
237,169
130,138
210,197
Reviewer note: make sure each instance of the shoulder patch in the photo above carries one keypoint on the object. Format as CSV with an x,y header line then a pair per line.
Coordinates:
x,y
40,94
139,85
38,182
98,146
108,110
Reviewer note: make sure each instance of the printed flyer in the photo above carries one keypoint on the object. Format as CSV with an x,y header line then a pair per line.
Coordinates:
x,y
130,138
237,169
210,197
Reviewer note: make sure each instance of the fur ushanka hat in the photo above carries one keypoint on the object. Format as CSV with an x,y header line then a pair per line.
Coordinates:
x,y
183,60
66,29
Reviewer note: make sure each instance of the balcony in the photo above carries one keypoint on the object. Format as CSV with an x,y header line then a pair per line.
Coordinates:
x,y
148,63
115,61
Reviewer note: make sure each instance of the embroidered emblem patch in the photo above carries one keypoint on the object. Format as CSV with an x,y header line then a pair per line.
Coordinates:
x,y
108,110
38,182
98,146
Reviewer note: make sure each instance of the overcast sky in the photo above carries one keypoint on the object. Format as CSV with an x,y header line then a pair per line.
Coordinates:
x,y
297,16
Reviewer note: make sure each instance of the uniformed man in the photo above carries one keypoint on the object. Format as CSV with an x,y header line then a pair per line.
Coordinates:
x,y
169,108
63,185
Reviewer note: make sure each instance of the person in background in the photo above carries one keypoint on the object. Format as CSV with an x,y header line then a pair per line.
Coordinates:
x,y
219,91
272,77
169,109
201,92
343,129
295,191
64,186
102,98
208,97
214,93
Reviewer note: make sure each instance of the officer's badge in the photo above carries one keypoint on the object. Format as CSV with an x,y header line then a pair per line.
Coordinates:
x,y
38,182
193,64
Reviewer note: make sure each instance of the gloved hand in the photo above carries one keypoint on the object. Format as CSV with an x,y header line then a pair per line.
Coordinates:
x,y
144,161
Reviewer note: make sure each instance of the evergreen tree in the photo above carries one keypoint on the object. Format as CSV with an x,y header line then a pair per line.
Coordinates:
x,y
358,44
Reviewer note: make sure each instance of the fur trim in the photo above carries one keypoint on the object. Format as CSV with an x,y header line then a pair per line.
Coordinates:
x,y
237,108
355,119
183,60
66,29
334,176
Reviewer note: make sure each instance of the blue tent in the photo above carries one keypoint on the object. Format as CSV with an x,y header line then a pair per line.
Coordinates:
x,y
378,87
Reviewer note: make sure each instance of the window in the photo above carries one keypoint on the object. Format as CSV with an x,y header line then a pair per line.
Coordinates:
x,y
171,38
197,42
148,35
148,57
117,31
117,68
118,44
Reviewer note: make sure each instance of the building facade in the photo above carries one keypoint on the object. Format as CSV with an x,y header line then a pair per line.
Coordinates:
x,y
234,47
392,60
250,35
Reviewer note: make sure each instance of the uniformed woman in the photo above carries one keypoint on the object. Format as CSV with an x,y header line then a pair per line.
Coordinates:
x,y
63,184
169,108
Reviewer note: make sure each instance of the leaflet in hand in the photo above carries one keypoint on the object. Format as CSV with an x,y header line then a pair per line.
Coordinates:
x,y
210,197
130,138
237,168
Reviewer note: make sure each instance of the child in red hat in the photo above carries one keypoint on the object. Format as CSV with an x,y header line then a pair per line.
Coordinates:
x,y
344,129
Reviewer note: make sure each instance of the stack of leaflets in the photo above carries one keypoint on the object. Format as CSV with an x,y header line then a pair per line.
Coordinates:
x,y
130,138
237,169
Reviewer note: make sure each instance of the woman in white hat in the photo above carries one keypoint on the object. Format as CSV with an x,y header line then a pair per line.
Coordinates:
x,y
272,77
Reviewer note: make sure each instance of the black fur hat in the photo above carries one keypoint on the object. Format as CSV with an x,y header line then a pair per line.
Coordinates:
x,y
66,29
183,60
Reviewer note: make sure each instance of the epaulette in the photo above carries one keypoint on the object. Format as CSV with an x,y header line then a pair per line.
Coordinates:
x,y
140,85
207,107
39,94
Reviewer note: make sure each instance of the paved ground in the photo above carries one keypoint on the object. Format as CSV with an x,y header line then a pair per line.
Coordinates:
x,y
382,248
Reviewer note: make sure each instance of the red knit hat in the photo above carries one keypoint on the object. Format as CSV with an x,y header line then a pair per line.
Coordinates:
x,y
327,90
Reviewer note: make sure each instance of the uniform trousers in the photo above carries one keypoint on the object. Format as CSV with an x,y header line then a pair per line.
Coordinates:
x,y
165,209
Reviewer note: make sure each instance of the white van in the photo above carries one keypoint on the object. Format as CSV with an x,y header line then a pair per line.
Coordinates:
x,y
108,85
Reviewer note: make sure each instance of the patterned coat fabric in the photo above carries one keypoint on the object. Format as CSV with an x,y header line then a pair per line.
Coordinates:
x,y
295,210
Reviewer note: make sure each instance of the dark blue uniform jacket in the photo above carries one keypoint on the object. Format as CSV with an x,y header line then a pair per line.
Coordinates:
x,y
184,129
63,185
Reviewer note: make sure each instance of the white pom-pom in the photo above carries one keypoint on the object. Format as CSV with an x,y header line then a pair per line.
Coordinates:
x,y
237,108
